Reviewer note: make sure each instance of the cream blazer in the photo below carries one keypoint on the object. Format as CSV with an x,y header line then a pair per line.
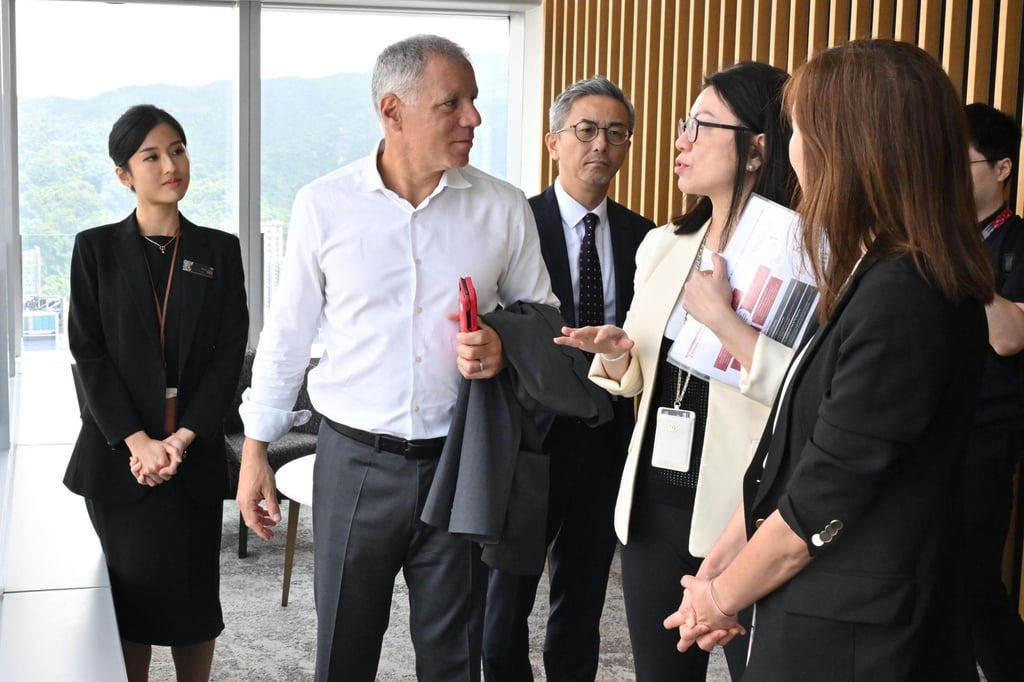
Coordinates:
x,y
736,418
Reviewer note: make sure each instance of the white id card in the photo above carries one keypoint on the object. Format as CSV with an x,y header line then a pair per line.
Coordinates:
x,y
673,439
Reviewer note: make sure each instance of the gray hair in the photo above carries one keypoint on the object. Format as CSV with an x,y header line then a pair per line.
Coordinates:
x,y
599,86
401,64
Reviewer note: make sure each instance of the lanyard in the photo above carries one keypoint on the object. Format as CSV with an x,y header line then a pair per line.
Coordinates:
x,y
996,223
161,309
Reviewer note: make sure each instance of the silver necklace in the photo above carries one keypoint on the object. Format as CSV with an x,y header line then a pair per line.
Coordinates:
x,y
162,247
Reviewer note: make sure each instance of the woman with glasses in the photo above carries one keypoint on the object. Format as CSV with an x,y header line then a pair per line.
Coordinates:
x,y
844,539
670,511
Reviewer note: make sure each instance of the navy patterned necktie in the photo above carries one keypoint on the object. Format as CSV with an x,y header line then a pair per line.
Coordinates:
x,y
591,309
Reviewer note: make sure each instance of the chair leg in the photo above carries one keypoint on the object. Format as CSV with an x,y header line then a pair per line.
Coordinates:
x,y
243,538
289,549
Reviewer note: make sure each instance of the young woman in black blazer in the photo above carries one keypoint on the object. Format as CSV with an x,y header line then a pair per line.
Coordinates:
x,y
843,539
157,326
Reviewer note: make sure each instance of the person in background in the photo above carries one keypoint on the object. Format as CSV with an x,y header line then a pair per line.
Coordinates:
x,y
997,439
846,537
157,326
375,251
733,143
589,244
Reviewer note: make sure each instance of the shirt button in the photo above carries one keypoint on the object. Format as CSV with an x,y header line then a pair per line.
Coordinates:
x,y
419,309
419,358
417,261
416,409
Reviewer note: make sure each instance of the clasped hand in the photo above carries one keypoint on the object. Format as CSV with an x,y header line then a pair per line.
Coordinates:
x,y
153,462
699,620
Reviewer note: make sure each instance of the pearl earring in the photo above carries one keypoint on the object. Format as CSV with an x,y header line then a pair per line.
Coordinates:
x,y
750,167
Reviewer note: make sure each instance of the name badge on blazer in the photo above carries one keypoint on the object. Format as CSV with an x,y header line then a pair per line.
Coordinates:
x,y
197,269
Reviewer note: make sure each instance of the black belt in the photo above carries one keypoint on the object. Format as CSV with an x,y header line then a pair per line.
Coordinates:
x,y
429,448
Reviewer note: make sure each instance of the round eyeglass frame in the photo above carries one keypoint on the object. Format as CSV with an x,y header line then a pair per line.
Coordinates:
x,y
597,131
693,124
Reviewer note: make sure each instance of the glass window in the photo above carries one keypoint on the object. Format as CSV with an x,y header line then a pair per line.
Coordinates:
x,y
317,113
80,65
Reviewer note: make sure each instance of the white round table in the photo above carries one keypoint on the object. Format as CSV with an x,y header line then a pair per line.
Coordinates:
x,y
294,481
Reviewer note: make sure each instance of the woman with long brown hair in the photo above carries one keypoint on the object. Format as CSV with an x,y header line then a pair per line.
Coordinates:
x,y
843,537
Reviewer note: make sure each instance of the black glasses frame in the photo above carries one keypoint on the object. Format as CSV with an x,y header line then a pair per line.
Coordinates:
x,y
694,124
608,132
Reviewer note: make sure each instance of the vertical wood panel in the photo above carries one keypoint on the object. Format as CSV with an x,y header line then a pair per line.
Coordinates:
x,y
762,32
744,29
882,19
929,33
979,51
778,46
727,33
954,41
799,35
860,19
906,21
839,23
1008,56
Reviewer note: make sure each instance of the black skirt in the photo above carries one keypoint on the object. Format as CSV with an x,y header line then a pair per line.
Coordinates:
x,y
163,556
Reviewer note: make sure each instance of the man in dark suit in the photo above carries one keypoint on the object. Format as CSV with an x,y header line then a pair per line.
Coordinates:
x,y
997,439
589,243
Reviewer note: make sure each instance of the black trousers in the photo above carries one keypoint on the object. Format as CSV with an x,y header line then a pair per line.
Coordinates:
x,y
367,528
586,465
653,561
997,632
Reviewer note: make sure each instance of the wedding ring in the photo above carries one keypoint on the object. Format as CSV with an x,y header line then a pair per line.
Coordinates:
x,y
481,365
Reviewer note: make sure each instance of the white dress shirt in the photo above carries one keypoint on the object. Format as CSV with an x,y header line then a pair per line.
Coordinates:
x,y
572,224
379,277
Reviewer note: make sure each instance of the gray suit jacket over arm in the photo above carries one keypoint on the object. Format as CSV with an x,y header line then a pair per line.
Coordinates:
x,y
491,483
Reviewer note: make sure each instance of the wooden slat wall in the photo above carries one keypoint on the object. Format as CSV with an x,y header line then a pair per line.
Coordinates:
x,y
659,50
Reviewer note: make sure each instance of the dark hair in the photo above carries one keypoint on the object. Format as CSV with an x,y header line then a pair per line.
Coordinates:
x,y
993,133
753,92
879,181
598,86
129,131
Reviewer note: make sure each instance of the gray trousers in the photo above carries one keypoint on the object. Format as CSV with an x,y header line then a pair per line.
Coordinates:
x,y
366,527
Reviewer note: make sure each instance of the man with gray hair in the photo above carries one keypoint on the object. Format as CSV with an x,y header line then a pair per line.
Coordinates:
x,y
589,244
375,252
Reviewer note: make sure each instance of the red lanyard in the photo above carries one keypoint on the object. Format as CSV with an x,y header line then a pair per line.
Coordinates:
x,y
997,222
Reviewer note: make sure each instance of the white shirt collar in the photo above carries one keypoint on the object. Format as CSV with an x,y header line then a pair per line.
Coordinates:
x,y
573,211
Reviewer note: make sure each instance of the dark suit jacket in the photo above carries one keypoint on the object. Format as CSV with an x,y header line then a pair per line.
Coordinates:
x,y
114,337
628,229
871,431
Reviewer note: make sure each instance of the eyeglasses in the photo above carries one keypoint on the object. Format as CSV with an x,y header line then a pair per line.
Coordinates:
x,y
981,161
587,131
691,126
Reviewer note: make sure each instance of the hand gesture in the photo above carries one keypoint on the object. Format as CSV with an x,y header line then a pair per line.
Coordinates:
x,y
699,619
607,339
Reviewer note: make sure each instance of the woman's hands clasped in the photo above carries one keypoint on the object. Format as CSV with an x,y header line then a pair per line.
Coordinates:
x,y
699,620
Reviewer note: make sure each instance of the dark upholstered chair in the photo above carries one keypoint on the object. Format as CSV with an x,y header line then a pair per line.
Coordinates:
x,y
298,442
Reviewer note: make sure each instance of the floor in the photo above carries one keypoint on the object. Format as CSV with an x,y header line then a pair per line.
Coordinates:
x,y
263,640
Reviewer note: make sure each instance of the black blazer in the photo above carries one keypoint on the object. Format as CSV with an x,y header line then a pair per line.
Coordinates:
x,y
628,229
114,337
862,465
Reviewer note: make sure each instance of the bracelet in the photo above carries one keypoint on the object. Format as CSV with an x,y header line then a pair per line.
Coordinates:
x,y
604,356
711,591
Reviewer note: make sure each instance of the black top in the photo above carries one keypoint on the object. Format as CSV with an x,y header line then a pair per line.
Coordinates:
x,y
1001,401
676,488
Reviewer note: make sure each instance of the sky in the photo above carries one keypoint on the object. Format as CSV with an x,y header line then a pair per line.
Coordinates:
x,y
81,49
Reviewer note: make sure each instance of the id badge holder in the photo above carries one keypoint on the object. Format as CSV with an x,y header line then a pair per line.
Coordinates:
x,y
673,439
